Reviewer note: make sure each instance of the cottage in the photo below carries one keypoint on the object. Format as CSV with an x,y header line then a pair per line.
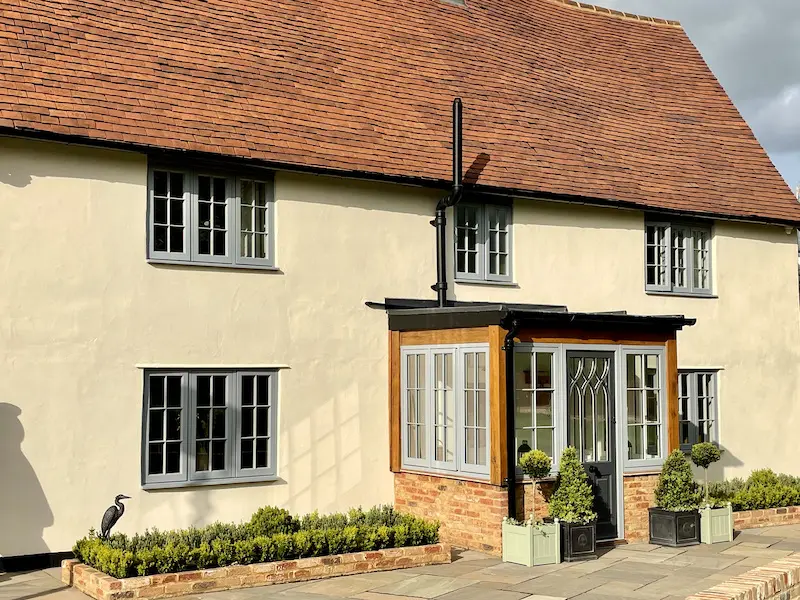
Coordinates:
x,y
222,289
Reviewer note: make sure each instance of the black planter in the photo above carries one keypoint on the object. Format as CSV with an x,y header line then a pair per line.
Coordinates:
x,y
674,529
578,541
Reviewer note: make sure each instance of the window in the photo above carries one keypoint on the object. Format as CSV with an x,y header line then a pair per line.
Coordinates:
x,y
677,258
644,407
483,242
535,386
208,425
697,407
210,219
445,408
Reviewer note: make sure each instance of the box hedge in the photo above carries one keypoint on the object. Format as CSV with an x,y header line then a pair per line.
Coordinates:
x,y
763,489
272,534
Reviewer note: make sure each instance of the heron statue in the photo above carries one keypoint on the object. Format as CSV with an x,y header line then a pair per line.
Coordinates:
x,y
112,515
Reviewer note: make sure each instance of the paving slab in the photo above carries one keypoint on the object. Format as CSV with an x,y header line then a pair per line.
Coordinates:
x,y
352,585
715,562
481,593
454,569
560,585
424,586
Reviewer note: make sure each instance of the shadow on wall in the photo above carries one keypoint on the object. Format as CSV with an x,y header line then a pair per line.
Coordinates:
x,y
24,511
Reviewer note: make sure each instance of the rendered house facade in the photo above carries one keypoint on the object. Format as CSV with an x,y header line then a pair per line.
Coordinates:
x,y
196,286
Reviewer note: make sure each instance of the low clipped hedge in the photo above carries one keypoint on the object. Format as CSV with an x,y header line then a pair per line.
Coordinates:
x,y
763,489
272,534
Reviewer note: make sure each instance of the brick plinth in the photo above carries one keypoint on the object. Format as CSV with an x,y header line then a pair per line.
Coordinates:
x,y
751,519
638,496
470,512
104,587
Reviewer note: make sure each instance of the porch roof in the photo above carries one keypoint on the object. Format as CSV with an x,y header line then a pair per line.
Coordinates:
x,y
416,315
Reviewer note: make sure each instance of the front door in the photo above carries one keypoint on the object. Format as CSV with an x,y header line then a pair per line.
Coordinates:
x,y
590,429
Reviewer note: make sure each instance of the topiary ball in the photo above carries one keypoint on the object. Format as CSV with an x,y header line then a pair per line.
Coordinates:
x,y
705,454
535,464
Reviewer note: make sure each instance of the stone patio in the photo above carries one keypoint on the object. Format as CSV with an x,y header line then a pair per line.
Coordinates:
x,y
630,572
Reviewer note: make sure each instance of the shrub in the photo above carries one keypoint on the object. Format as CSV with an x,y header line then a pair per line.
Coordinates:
x,y
704,455
272,534
535,464
676,489
765,489
573,499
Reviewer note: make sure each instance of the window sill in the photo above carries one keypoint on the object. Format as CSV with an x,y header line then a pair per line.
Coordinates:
x,y
167,485
509,284
213,265
681,294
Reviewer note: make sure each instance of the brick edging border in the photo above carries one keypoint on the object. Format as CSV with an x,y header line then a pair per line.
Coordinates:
x,y
751,519
777,579
100,586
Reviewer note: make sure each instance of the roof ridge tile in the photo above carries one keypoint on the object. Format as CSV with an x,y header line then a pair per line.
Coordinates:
x,y
618,13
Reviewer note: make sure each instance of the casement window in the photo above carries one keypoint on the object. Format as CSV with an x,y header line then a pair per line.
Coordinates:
x,y
677,258
535,397
645,407
202,426
445,408
483,242
697,408
210,219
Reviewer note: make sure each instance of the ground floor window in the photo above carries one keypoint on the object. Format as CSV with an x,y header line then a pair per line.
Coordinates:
x,y
208,426
445,408
697,407
595,398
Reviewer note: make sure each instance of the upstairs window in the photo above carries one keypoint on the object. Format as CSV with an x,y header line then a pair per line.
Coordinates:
x,y
483,242
697,408
210,219
677,258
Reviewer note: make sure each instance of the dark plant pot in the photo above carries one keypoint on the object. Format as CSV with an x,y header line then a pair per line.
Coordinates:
x,y
674,529
579,541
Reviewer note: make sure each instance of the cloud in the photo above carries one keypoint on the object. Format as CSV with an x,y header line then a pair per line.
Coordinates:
x,y
751,46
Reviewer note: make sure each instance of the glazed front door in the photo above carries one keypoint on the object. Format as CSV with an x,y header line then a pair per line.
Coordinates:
x,y
590,429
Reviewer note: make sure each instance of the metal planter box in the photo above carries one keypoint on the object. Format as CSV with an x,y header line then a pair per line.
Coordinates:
x,y
579,541
716,524
530,544
674,529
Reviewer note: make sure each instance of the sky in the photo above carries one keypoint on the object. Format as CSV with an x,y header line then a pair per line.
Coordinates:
x,y
753,47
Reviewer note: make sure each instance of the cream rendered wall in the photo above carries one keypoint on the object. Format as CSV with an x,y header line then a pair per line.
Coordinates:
x,y
80,307
592,259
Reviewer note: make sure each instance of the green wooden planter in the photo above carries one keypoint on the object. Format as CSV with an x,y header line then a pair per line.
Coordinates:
x,y
716,524
530,544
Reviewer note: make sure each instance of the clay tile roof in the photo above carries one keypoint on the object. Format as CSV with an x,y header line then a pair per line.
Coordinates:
x,y
560,97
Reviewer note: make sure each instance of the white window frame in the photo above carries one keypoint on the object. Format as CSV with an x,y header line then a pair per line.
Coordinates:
x,y
689,230
458,465
692,416
482,243
233,471
191,254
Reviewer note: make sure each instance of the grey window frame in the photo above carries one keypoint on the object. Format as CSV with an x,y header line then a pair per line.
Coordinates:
x,y
632,465
482,243
191,254
233,472
429,463
691,395
689,230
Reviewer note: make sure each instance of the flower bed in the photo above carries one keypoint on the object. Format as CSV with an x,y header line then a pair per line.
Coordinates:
x,y
271,535
763,489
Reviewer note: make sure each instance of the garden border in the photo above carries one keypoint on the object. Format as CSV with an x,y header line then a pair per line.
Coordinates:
x,y
100,586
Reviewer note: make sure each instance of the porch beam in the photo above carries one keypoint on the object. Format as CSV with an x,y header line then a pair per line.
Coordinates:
x,y
673,435
497,406
394,401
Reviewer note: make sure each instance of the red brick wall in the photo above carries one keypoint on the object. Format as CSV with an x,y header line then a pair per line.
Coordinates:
x,y
525,499
749,519
638,496
470,512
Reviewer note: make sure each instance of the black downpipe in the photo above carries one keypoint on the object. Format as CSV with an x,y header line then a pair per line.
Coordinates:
x,y
511,451
440,220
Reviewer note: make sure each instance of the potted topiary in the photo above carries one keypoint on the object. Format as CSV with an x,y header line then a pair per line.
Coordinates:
x,y
572,504
675,521
716,522
532,542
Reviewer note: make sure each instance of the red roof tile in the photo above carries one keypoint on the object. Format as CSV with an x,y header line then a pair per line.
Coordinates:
x,y
562,98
